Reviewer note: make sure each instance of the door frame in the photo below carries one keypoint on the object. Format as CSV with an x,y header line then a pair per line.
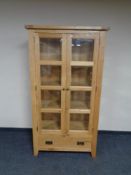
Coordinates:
x,y
95,37
39,87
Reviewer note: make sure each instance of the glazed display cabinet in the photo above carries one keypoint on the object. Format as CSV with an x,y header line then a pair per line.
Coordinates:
x,y
66,73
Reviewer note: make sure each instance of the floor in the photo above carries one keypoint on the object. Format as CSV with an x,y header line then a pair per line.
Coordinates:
x,y
113,156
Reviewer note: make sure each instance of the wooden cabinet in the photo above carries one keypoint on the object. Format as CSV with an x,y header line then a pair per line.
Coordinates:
x,y
66,72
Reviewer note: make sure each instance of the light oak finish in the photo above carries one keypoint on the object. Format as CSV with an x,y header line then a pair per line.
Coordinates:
x,y
58,63
98,92
66,65
33,92
90,28
83,63
64,143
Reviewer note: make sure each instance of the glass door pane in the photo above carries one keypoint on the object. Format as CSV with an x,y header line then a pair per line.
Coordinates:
x,y
51,121
51,81
82,49
50,99
79,121
80,100
81,76
50,75
82,55
50,49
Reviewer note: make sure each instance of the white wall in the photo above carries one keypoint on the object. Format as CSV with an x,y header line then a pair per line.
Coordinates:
x,y
15,108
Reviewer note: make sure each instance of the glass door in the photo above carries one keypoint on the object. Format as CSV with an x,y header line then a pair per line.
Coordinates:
x,y
81,68
50,50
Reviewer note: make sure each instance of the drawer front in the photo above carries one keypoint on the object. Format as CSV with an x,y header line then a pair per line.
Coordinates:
x,y
61,143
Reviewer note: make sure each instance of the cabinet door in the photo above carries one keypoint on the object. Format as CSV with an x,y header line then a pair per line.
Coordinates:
x,y
81,81
50,68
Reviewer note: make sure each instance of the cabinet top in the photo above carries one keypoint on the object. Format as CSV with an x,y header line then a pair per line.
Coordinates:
x,y
53,27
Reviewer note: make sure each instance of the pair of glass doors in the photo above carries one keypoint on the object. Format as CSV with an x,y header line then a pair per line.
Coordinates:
x,y
65,74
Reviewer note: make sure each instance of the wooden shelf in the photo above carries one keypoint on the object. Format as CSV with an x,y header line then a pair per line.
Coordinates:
x,y
50,125
78,125
50,104
50,83
79,105
80,83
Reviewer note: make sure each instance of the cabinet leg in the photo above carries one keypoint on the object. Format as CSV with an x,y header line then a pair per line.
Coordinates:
x,y
35,152
93,152
93,148
35,143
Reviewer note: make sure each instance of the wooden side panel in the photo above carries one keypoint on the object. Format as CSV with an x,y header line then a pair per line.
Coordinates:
x,y
98,92
38,92
33,91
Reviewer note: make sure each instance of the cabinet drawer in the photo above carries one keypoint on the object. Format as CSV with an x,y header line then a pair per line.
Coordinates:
x,y
61,143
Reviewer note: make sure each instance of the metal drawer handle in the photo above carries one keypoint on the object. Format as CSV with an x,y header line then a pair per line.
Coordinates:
x,y
80,143
48,142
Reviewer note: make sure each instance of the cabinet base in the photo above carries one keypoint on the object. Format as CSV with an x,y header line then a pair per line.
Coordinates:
x,y
69,149
60,143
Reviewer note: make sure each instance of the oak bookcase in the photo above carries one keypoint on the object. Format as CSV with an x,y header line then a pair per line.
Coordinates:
x,y
66,65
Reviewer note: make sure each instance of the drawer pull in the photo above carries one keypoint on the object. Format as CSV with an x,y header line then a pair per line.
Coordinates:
x,y
48,142
80,143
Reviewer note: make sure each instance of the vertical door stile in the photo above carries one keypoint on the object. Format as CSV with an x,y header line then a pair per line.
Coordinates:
x,y
63,85
68,74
